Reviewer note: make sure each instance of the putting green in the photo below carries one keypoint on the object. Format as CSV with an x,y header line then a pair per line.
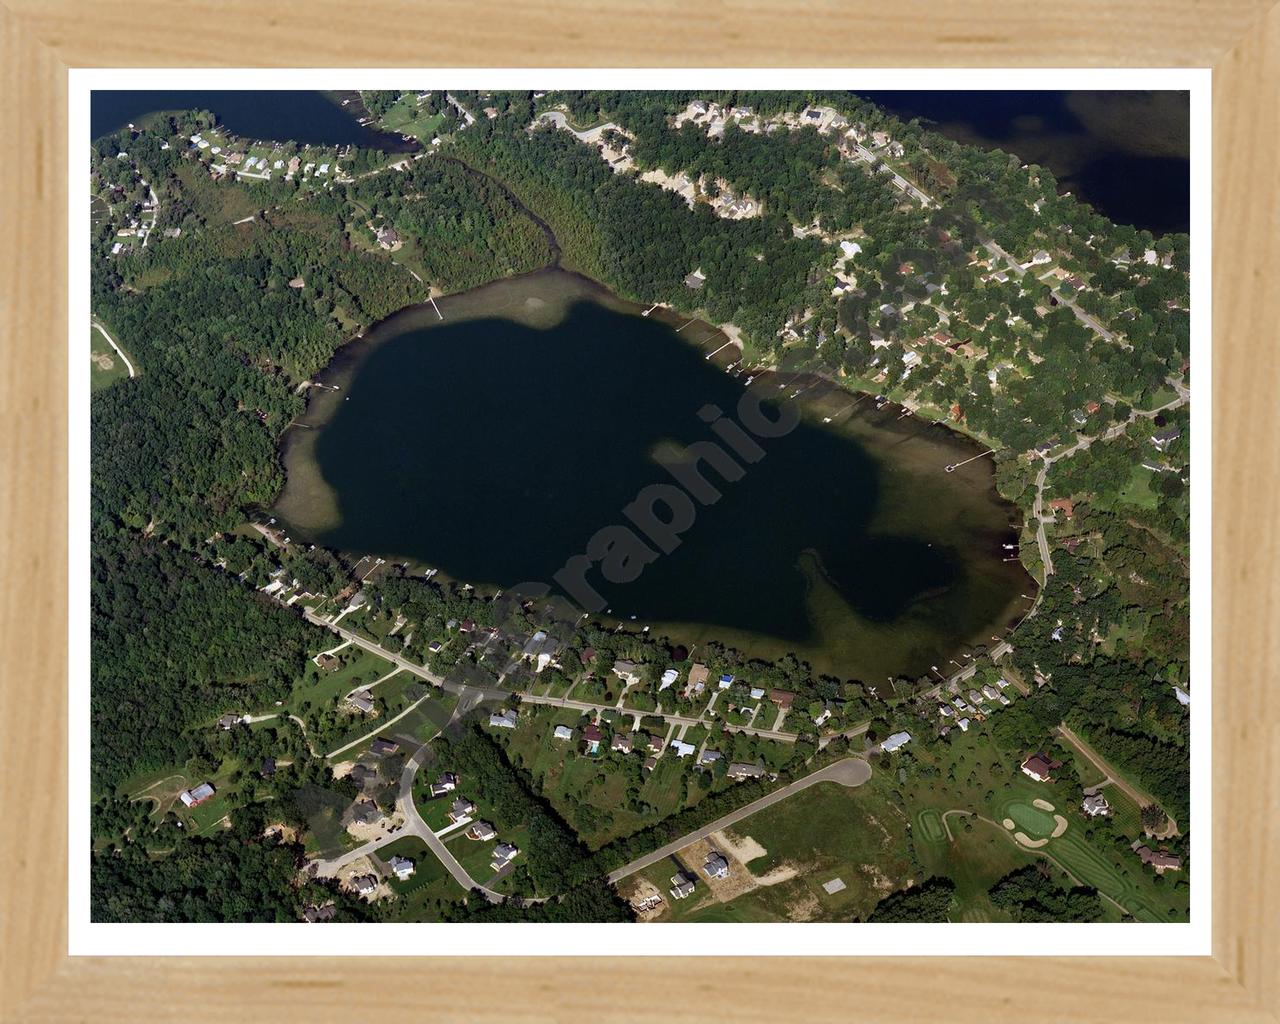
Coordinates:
x,y
1035,822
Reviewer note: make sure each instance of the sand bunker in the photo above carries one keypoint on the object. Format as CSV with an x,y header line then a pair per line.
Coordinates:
x,y
1059,826
1008,823
1044,805
1027,841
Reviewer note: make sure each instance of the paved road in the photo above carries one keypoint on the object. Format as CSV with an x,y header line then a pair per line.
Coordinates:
x,y
852,771
589,135
413,826
482,693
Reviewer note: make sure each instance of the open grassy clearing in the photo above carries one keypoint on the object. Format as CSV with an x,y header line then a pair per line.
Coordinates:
x,y
105,366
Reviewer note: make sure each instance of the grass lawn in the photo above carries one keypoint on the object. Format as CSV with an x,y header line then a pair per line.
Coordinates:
x,y
429,885
359,667
105,367
1137,490
401,118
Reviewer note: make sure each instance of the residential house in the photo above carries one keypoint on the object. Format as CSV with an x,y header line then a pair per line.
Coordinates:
x,y
1160,860
482,832
682,885
461,808
716,866
655,744
1095,804
591,736
991,692
312,914
650,763
230,721
562,732
783,698
506,720
435,647
668,678
1040,767
681,748
198,795
725,681
1163,438
268,768
709,757
387,237
503,854
741,770
328,662
695,280
362,702
698,675
364,885
1065,505
622,742
626,671
381,746
446,783
895,742
403,868
963,723
365,812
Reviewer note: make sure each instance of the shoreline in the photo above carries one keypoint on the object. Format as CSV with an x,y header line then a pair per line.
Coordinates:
x,y
516,295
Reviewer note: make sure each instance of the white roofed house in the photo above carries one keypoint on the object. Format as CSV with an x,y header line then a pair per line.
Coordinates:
x,y
562,732
1095,804
506,720
461,808
895,742
198,795
668,678
503,854
402,867
482,832
716,866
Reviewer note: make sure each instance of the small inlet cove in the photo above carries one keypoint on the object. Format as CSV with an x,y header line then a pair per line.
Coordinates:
x,y
517,435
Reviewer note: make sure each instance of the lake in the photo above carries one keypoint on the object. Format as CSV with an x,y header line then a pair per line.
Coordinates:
x,y
495,443
1127,154
281,115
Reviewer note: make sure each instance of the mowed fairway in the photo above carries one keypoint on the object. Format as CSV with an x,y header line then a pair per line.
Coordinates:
x,y
972,853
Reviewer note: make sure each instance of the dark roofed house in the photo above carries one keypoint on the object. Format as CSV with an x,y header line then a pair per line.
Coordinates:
x,y
361,701
366,812
695,280
383,746
1040,767
230,721
328,662
742,770
387,236
313,913
482,831
621,742
1158,859
1163,438
783,698
650,763
447,783
592,736
268,769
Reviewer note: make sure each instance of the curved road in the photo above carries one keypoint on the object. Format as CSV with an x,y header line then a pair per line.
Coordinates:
x,y
413,826
852,771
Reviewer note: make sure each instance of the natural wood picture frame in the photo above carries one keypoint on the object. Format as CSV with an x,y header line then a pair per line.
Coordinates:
x,y
41,39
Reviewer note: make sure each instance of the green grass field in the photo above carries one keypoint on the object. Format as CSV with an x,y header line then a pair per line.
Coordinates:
x,y
105,366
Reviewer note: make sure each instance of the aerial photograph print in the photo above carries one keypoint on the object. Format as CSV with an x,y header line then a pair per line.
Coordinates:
x,y
632,506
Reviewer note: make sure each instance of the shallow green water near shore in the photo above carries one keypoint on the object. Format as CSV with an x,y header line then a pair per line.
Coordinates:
x,y
496,442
